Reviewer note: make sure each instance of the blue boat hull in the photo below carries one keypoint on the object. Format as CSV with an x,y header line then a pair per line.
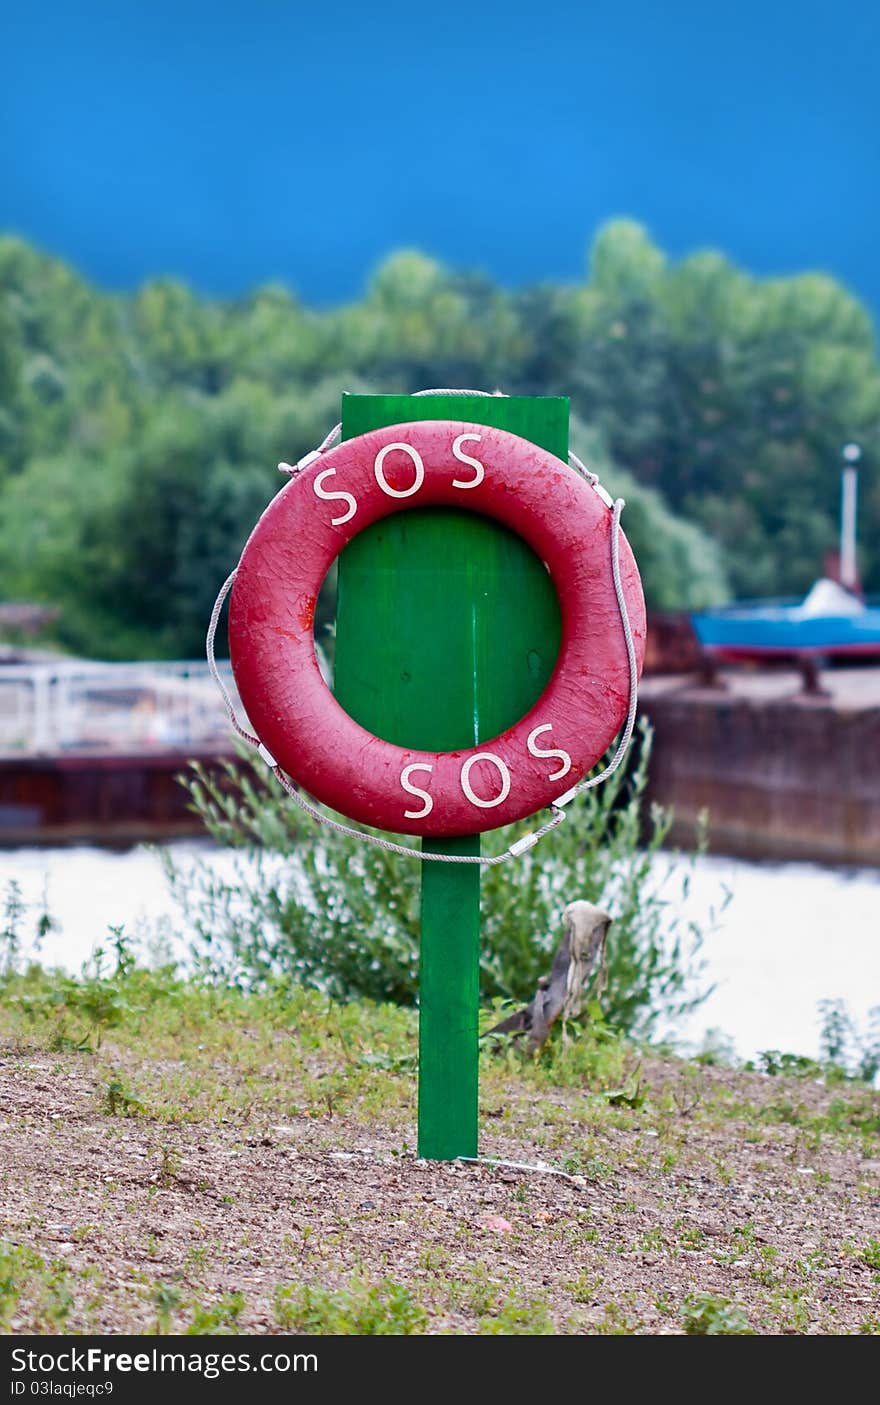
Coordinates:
x,y
782,629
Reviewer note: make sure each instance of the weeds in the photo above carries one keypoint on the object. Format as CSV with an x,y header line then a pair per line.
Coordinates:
x,y
79,1010
166,1300
517,1317
871,1254
220,1319
120,1101
15,913
631,1094
362,1309
169,1168
12,916
706,1316
844,1046
45,1288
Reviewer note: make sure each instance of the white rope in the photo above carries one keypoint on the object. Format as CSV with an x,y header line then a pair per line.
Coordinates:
x,y
212,662
540,1168
527,841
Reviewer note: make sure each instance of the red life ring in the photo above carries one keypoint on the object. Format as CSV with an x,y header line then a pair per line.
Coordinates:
x,y
271,642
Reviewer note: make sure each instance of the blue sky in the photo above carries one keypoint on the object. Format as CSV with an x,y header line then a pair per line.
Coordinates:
x,y
235,143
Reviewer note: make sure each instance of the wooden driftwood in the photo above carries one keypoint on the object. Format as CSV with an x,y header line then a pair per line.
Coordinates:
x,y
578,966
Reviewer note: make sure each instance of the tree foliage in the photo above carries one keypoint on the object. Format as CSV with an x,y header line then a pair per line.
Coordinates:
x,y
139,433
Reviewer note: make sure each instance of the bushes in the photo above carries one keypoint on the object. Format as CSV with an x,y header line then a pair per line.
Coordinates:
x,y
306,904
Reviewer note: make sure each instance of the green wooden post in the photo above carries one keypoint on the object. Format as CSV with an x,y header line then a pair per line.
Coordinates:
x,y
447,630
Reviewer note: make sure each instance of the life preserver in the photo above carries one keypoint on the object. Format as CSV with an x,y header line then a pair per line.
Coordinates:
x,y
271,642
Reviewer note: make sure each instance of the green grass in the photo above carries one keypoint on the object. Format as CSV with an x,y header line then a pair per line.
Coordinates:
x,y
46,1286
871,1254
168,1046
361,1309
217,1319
706,1316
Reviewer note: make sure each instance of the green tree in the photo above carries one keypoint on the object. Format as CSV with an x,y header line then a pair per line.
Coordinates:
x,y
139,433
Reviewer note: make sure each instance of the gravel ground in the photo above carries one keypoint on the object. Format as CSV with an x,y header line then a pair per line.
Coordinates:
x,y
719,1201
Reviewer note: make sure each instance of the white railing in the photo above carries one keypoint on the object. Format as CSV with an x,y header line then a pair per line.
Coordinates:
x,y
71,706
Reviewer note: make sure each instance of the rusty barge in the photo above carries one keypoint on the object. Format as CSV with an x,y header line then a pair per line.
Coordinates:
x,y
782,772
91,753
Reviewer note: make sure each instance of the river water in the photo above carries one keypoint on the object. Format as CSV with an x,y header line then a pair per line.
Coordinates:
x,y
789,936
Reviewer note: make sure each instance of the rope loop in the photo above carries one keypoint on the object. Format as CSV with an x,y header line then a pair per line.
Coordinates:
x,y
557,806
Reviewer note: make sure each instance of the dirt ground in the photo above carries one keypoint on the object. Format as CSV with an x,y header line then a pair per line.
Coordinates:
x,y
708,1200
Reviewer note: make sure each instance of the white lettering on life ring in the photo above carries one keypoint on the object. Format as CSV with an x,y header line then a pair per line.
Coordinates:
x,y
462,457
414,790
320,492
468,788
562,756
379,471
